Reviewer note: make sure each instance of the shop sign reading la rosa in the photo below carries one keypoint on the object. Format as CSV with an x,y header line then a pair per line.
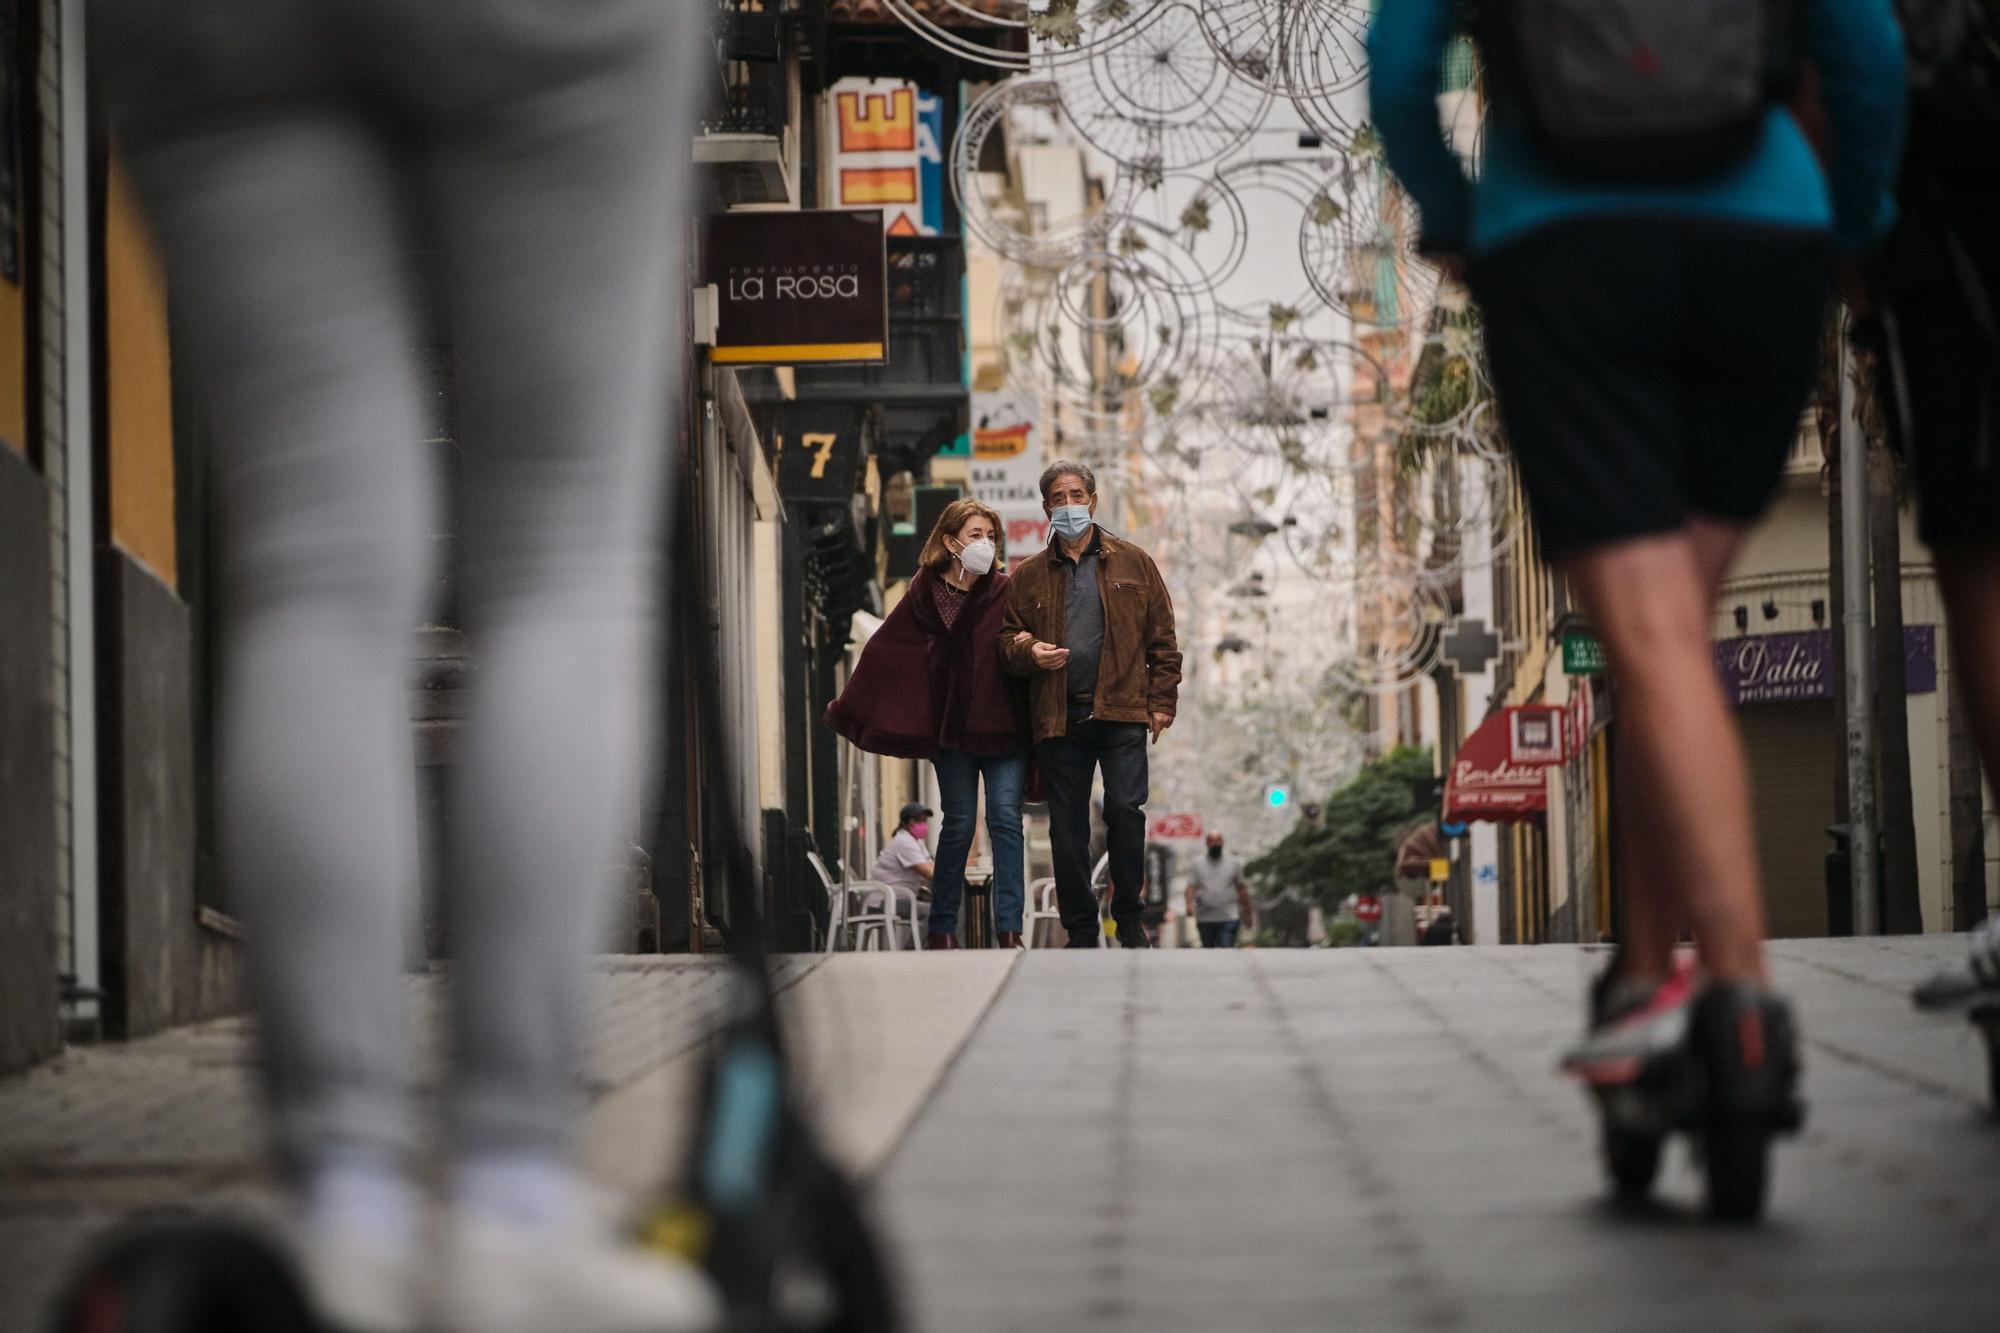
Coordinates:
x,y
756,284
791,288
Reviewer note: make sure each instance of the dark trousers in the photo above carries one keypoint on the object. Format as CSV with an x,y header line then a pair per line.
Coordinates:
x,y
1068,763
1218,934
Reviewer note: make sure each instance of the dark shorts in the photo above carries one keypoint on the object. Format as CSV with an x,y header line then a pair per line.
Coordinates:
x,y
1649,371
1949,410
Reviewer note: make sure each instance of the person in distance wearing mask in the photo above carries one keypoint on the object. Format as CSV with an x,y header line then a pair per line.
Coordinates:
x,y
930,686
1090,623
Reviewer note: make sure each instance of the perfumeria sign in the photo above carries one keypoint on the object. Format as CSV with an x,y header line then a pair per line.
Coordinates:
x,y
798,288
1785,668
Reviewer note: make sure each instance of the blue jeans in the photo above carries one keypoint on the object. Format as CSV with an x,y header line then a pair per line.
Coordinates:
x,y
958,794
1218,934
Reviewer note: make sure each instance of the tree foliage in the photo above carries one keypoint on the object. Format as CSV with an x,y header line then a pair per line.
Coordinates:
x,y
1352,849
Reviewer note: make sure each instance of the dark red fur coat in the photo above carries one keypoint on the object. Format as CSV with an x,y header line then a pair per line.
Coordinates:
x,y
920,689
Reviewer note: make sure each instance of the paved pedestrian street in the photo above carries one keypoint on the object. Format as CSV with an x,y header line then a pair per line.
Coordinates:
x,y
1263,1139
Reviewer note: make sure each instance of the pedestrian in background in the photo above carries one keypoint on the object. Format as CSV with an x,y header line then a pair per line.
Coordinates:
x,y
1652,275
1217,898
1090,622
930,685
1929,306
905,863
337,186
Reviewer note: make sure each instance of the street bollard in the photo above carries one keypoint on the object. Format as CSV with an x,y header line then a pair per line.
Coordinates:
x,y
975,929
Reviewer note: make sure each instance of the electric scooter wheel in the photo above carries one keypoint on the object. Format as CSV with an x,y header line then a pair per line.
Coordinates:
x,y
1736,1156
186,1277
1633,1159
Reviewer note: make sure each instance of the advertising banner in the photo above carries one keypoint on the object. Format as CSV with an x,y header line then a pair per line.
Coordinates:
x,y
883,152
1006,467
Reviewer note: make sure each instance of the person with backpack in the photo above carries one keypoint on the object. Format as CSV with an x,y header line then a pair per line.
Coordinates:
x,y
1930,309
1651,239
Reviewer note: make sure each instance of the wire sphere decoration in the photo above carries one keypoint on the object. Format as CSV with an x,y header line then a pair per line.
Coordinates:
x,y
1031,106
1104,338
1391,618
1286,399
1357,240
1249,36
1027,35
1295,187
1325,50
1210,232
1162,100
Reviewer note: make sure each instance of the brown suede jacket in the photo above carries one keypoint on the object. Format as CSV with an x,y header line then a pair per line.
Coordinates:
x,y
1139,673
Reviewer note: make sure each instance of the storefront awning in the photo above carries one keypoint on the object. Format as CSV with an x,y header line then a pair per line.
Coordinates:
x,y
1487,782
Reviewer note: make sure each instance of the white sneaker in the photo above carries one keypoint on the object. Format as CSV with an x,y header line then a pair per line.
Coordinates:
x,y
1971,984
355,1281
501,1277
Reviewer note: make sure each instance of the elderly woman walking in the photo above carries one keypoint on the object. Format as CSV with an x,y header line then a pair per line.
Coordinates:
x,y
930,686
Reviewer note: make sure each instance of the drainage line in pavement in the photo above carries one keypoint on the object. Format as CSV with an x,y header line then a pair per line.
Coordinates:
x,y
1403,1243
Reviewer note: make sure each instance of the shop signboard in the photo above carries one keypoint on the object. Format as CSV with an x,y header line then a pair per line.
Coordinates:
x,y
1167,828
797,288
1490,780
1792,667
817,452
1006,467
884,152
1536,734
1583,655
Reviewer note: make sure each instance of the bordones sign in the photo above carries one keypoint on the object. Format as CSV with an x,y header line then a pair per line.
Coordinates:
x,y
1006,467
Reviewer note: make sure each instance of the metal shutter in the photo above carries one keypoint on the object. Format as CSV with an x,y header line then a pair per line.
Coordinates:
x,y
1792,756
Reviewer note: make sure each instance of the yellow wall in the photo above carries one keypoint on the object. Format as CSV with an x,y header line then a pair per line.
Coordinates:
x,y
139,389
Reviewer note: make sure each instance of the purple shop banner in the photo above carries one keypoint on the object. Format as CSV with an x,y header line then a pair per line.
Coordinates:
x,y
1782,668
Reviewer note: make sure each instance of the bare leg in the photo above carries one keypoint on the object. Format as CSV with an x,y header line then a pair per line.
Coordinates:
x,y
1687,821
1655,916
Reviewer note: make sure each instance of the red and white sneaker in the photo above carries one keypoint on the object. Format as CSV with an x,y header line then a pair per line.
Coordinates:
x,y
1633,1025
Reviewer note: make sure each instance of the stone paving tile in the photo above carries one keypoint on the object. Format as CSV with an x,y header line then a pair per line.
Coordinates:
x,y
1378,1140
102,1130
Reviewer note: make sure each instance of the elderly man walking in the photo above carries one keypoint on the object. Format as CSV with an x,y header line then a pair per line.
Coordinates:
x,y
1090,623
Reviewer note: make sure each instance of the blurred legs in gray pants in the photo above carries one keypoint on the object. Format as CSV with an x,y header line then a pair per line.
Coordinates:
x,y
335,185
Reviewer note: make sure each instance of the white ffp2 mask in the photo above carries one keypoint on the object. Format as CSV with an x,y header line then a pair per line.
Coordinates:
x,y
977,556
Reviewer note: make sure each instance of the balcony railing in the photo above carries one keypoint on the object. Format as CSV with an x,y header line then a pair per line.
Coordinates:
x,y
755,100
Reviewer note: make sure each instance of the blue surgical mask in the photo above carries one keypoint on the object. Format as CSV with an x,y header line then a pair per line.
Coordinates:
x,y
1072,521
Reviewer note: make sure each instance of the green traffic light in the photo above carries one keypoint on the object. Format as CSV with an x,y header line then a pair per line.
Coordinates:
x,y
1278,797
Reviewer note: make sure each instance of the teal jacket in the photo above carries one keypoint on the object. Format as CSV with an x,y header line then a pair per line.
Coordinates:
x,y
1854,46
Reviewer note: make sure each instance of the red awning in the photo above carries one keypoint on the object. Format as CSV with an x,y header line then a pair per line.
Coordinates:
x,y
1485,783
